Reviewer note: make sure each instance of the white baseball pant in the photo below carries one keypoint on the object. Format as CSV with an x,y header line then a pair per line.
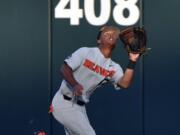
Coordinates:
x,y
72,116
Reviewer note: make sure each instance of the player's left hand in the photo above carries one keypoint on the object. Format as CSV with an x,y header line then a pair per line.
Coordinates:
x,y
134,56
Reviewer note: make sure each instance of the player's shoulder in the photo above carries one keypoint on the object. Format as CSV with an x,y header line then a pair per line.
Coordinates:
x,y
88,49
115,64
82,50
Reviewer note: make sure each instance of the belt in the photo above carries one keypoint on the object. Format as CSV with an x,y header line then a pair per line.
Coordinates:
x,y
81,103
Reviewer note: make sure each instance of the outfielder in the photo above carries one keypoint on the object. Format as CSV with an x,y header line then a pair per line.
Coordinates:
x,y
84,71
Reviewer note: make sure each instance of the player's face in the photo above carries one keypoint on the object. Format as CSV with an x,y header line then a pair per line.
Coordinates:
x,y
109,37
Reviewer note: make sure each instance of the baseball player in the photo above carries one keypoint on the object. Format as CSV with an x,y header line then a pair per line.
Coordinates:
x,y
84,71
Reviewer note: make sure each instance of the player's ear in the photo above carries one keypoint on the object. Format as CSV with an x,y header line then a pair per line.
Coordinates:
x,y
99,41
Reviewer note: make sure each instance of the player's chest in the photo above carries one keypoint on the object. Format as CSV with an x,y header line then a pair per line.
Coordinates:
x,y
94,66
97,68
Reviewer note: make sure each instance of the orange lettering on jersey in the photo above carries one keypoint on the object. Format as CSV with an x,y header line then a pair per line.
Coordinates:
x,y
89,64
111,73
98,69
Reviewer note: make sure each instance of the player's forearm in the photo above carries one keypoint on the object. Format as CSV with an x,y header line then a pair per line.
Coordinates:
x,y
127,78
67,73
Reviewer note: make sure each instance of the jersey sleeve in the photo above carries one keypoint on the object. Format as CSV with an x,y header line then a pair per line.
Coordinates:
x,y
117,76
76,58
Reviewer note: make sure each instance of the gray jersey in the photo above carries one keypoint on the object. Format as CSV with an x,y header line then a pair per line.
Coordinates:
x,y
91,69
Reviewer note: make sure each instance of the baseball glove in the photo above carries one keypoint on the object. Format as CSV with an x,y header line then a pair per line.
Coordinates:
x,y
134,39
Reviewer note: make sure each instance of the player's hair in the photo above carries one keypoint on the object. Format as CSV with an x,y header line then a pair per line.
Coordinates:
x,y
106,27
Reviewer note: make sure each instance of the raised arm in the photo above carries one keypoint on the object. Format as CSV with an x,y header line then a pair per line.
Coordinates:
x,y
127,78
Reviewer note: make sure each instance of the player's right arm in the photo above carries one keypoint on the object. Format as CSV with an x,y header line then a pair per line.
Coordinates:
x,y
67,74
71,64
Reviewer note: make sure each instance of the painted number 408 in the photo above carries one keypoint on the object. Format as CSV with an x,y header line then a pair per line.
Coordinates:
x,y
74,13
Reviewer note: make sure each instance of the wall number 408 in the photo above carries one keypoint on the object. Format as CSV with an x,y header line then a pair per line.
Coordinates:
x,y
74,13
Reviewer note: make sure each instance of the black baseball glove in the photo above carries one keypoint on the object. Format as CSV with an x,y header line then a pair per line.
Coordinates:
x,y
134,39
